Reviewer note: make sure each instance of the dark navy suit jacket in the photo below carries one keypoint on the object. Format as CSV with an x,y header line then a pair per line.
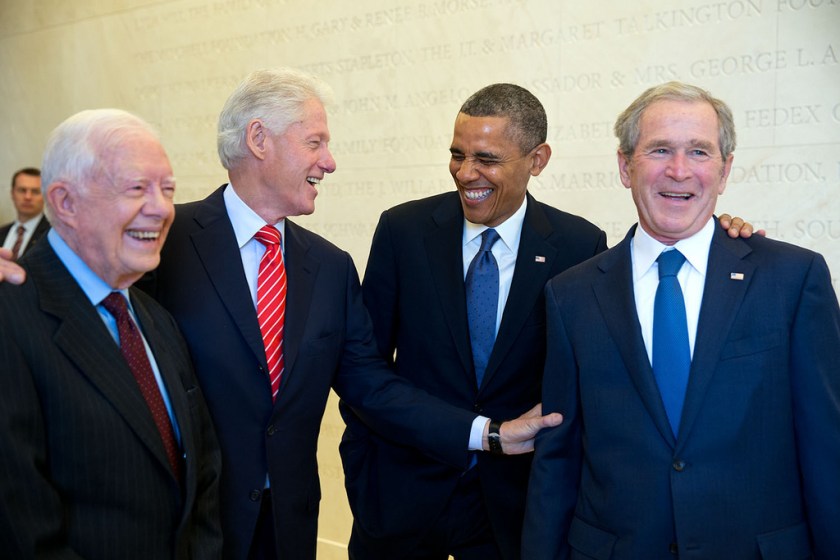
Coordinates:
x,y
40,231
755,469
414,289
328,344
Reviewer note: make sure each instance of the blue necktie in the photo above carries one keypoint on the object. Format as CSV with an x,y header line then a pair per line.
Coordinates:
x,y
482,284
671,354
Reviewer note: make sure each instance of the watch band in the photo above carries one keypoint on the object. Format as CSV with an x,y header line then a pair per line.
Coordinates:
x,y
494,438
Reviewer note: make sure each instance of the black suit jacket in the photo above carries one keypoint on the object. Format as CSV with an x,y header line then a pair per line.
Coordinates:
x,y
83,472
40,231
414,290
755,469
328,343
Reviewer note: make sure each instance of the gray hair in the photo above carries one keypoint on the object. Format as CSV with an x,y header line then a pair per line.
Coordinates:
x,y
627,125
275,96
528,122
74,148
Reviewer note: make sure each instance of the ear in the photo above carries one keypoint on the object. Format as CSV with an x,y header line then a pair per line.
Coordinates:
x,y
727,167
256,137
539,158
624,164
61,197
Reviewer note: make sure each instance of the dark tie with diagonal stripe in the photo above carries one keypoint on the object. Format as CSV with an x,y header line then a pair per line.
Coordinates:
x,y
271,303
21,231
134,352
482,286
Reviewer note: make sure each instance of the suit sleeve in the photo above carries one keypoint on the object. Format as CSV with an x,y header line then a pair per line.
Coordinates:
x,y
815,378
555,471
31,510
387,403
379,289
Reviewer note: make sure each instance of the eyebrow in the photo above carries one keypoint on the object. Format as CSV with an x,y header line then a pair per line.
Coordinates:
x,y
481,155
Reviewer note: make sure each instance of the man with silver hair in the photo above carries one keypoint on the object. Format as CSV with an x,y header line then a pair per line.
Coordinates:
x,y
697,374
108,446
267,369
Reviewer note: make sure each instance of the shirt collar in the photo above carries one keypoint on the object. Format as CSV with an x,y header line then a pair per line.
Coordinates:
x,y
244,220
509,231
695,249
94,287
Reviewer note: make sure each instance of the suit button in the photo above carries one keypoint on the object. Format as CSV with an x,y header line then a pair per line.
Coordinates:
x,y
270,431
673,548
679,466
255,495
477,408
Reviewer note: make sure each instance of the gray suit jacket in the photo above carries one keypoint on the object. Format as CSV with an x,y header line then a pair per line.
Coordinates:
x,y
83,472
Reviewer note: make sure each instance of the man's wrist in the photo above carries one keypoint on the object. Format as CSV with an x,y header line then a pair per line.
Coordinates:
x,y
494,438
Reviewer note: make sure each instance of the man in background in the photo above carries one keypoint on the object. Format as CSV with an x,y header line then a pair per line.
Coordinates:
x,y
697,374
108,447
30,224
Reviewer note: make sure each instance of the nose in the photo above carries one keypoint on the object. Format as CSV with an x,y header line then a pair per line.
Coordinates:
x,y
327,162
679,167
158,203
465,170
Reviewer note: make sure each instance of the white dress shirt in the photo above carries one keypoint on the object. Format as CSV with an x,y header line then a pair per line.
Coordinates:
x,y
29,227
504,251
644,250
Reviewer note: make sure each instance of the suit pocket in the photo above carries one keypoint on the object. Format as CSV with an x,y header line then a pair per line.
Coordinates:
x,y
590,541
753,344
791,543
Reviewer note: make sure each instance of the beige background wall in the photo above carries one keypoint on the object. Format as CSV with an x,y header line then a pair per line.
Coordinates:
x,y
401,69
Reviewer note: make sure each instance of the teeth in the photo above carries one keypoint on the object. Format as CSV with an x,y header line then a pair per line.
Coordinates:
x,y
477,194
676,195
144,235
314,180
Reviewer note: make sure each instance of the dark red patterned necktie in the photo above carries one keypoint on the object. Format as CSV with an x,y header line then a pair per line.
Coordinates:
x,y
21,231
134,352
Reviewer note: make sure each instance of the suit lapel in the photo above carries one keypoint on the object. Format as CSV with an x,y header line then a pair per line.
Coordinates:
x,y
83,338
215,244
529,279
445,254
169,370
722,297
616,301
301,271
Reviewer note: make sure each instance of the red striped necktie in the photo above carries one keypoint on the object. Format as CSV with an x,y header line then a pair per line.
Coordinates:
x,y
271,303
21,231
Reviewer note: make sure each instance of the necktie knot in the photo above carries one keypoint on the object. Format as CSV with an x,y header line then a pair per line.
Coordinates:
x,y
488,239
20,229
116,305
670,263
268,236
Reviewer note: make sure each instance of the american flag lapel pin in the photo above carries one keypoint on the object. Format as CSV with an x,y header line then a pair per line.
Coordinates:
x,y
736,275
539,259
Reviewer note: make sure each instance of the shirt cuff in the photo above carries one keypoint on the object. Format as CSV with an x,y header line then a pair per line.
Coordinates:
x,y
477,433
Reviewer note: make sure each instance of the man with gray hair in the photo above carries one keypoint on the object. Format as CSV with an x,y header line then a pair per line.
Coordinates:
x,y
267,361
697,374
108,447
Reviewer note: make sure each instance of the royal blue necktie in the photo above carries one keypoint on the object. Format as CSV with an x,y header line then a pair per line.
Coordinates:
x,y
671,354
482,284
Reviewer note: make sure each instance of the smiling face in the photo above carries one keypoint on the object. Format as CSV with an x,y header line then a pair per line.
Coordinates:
x,y
120,217
297,159
490,171
676,171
